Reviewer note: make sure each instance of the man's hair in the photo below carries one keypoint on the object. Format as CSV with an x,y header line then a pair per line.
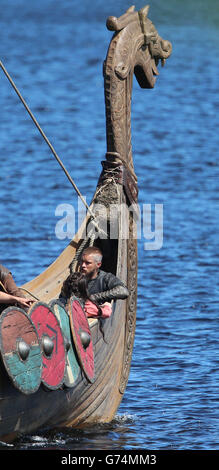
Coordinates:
x,y
96,252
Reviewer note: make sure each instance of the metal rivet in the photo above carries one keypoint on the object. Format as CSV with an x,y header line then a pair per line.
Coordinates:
x,y
23,349
48,346
85,339
67,344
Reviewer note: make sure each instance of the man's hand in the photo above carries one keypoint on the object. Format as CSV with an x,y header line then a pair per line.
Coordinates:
x,y
23,302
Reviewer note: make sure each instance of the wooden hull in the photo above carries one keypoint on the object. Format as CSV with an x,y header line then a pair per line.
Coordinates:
x,y
85,403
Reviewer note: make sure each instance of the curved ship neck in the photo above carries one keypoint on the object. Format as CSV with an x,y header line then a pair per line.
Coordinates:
x,y
118,93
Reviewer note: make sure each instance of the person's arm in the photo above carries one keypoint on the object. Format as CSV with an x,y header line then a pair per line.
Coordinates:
x,y
11,287
118,292
10,299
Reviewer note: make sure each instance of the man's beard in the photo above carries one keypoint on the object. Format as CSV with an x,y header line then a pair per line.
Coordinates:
x,y
91,274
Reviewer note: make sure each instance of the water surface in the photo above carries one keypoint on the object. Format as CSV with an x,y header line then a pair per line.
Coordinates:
x,y
54,51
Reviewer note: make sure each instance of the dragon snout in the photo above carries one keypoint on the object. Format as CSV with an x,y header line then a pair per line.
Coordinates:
x,y
160,50
166,49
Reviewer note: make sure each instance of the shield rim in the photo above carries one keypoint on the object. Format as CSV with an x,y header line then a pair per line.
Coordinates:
x,y
58,302
91,379
30,311
2,316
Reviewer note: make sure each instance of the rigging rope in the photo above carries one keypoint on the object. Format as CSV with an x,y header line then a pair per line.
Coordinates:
x,y
30,293
50,145
91,237
20,288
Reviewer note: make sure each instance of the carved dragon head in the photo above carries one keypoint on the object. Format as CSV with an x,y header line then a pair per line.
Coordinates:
x,y
138,46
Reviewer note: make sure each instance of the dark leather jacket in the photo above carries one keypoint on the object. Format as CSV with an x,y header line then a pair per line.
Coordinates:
x,y
106,287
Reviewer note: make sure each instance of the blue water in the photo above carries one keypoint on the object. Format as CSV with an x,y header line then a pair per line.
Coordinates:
x,y
54,52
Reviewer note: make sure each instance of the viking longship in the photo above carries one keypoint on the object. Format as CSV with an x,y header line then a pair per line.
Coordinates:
x,y
58,368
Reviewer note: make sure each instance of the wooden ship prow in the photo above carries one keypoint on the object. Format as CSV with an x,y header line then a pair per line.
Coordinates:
x,y
83,397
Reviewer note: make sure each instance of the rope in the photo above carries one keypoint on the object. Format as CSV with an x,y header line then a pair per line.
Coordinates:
x,y
20,288
28,292
3,287
117,155
49,144
91,237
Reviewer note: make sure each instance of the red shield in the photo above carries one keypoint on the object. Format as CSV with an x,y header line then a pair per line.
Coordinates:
x,y
52,343
82,338
20,349
72,366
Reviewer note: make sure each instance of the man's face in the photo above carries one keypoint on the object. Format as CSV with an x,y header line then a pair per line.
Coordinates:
x,y
89,266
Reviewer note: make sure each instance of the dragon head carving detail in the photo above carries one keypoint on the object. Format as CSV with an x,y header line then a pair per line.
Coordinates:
x,y
139,46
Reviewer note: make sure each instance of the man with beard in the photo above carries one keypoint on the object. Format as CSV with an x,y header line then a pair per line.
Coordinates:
x,y
102,286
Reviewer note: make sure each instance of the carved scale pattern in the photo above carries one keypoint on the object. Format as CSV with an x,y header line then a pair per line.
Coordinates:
x,y
118,95
118,108
131,305
136,47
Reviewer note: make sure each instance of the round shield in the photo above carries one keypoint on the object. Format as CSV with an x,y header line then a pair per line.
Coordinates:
x,y
82,338
52,344
72,366
20,349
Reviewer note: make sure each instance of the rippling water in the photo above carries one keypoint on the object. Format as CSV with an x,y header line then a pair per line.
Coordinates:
x,y
54,51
